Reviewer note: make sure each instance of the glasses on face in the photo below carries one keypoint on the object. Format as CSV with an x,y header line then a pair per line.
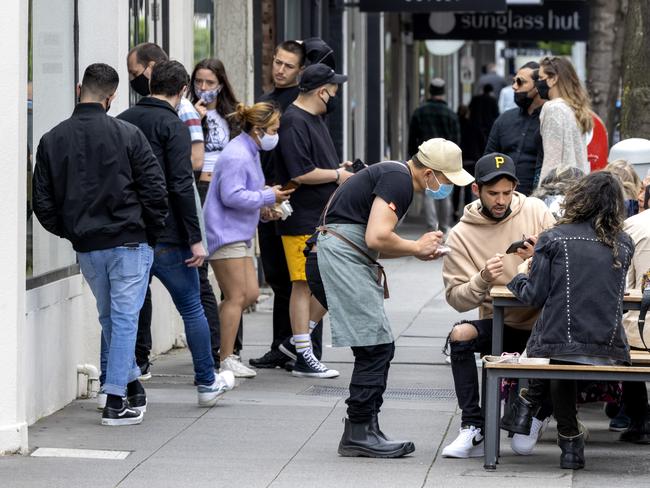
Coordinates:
x,y
280,64
520,81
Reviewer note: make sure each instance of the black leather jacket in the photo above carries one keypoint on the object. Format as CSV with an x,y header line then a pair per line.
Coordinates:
x,y
574,281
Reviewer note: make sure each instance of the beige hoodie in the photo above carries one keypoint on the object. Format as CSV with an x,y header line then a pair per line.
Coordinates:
x,y
474,240
638,226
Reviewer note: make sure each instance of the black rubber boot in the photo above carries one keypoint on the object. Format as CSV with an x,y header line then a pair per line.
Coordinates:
x,y
374,427
518,416
573,451
360,440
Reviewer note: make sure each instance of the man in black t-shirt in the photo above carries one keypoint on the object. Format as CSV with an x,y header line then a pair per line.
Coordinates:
x,y
359,225
308,157
288,62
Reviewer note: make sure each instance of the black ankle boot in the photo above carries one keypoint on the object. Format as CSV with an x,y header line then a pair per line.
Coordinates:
x,y
374,427
360,439
573,451
518,415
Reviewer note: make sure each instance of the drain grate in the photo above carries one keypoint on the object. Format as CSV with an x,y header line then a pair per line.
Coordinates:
x,y
424,394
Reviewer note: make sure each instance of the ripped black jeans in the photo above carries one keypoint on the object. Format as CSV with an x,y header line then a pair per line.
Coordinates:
x,y
463,364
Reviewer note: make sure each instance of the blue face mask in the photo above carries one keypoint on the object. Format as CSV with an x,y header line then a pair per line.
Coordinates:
x,y
443,191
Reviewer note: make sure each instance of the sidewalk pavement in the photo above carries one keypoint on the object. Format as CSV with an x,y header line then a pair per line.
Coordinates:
x,y
279,431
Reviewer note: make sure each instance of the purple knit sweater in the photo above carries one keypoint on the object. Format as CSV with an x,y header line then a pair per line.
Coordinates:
x,y
236,194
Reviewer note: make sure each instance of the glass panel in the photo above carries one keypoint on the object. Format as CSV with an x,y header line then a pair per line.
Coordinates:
x,y
51,73
292,16
203,29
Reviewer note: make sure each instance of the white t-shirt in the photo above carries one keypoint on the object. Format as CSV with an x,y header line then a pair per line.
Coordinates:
x,y
216,139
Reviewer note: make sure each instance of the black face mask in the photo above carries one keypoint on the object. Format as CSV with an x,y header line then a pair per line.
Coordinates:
x,y
331,104
141,85
542,89
522,100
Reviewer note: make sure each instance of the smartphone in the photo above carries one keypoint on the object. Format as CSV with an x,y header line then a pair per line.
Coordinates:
x,y
518,245
358,165
291,185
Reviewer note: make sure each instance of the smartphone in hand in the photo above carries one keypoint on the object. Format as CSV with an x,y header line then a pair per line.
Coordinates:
x,y
518,245
291,185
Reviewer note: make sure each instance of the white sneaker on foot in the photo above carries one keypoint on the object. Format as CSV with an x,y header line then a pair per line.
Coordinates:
x,y
525,444
469,443
101,400
234,364
209,394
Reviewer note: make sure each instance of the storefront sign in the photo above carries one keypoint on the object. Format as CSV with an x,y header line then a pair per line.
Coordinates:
x,y
432,5
555,21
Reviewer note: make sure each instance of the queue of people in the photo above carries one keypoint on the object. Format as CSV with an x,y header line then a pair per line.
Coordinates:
x,y
192,175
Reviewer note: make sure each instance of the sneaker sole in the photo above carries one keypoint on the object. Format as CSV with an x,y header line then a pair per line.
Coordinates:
x,y
471,454
300,374
287,352
120,422
408,448
211,402
145,377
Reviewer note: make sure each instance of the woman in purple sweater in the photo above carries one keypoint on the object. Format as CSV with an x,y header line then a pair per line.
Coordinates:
x,y
232,210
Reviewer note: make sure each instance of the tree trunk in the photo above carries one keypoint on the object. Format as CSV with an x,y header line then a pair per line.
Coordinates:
x,y
606,36
635,116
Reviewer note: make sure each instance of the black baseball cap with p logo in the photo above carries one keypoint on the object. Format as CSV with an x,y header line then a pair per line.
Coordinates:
x,y
493,166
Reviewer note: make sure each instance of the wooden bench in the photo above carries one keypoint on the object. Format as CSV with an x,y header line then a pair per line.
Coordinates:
x,y
494,372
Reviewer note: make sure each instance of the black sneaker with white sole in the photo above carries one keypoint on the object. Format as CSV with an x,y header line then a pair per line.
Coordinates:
x,y
138,402
121,416
308,366
288,349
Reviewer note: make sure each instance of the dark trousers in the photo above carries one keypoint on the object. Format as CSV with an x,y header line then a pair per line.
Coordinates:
x,y
276,274
463,365
368,382
564,393
143,338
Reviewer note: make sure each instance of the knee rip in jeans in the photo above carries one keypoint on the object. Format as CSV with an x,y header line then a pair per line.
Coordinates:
x,y
453,347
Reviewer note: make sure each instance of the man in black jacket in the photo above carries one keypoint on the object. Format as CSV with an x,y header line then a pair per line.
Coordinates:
x,y
516,131
179,251
98,184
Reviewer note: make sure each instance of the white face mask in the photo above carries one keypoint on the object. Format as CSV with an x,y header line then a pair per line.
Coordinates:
x,y
268,141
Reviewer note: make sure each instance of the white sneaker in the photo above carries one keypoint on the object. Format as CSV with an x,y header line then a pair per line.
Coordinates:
x,y
101,400
209,394
234,364
469,443
525,444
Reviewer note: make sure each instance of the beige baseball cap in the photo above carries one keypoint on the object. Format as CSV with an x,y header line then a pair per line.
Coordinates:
x,y
444,156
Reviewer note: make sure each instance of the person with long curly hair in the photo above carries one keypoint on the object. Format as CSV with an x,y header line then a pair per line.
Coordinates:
x,y
565,120
577,277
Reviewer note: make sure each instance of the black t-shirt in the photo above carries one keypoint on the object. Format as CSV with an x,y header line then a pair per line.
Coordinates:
x,y
283,97
305,144
390,180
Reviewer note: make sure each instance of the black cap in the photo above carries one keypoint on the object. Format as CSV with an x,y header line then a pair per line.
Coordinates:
x,y
317,51
491,166
317,75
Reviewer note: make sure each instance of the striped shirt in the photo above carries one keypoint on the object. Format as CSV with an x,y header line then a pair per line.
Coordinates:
x,y
191,119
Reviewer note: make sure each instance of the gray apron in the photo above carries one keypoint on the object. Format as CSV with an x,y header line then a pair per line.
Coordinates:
x,y
355,294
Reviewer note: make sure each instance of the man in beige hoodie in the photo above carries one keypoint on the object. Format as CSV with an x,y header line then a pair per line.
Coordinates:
x,y
478,261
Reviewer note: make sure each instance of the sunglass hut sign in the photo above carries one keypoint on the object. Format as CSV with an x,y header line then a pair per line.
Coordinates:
x,y
554,21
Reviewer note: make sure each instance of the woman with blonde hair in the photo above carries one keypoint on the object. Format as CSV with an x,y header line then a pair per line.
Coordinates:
x,y
232,210
632,184
565,120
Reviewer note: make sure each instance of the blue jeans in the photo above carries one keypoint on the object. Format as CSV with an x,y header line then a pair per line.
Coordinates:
x,y
182,283
118,278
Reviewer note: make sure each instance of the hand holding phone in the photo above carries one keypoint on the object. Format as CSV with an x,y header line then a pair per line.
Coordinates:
x,y
519,245
290,185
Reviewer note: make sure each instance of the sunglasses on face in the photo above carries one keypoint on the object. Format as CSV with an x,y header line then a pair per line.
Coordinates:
x,y
520,81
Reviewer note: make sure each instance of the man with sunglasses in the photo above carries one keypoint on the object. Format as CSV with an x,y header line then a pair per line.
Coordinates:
x,y
516,131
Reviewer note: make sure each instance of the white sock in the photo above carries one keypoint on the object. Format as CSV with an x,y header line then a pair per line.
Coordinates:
x,y
312,326
303,343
